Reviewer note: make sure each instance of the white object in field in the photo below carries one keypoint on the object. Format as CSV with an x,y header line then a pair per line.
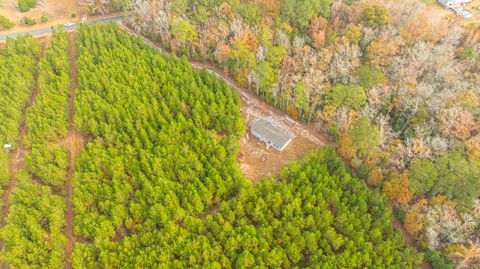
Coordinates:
x,y
69,24
7,146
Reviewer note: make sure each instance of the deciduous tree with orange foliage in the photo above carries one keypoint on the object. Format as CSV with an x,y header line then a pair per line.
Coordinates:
x,y
396,188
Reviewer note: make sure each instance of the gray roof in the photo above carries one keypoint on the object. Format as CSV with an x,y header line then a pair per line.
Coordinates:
x,y
270,132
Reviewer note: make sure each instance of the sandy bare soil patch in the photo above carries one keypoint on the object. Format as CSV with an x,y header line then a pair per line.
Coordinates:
x,y
256,160
57,11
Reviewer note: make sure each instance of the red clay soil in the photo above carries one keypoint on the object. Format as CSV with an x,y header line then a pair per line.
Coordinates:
x,y
74,143
409,241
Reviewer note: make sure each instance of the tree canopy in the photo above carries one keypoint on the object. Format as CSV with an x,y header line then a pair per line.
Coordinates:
x,y
157,186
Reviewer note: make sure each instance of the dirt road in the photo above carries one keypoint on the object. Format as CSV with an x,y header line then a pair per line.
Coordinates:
x,y
74,143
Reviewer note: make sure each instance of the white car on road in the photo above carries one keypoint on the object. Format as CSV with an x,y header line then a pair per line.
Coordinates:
x,y
467,14
69,24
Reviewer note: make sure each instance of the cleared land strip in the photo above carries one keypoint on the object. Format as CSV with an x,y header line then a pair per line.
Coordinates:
x,y
74,143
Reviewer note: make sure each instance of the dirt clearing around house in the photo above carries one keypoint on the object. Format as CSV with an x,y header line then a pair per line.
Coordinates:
x,y
256,160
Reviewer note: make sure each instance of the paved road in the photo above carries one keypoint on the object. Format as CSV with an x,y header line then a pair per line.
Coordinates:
x,y
49,30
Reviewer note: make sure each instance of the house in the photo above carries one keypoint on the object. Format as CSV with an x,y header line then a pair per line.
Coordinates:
x,y
453,3
267,132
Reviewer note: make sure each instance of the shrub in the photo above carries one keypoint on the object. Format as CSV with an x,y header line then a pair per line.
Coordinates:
x,y
5,23
26,5
44,18
467,53
399,213
438,259
28,21
363,171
